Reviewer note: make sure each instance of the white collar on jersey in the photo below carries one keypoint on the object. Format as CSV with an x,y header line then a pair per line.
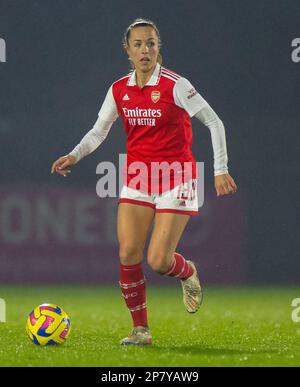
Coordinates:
x,y
152,81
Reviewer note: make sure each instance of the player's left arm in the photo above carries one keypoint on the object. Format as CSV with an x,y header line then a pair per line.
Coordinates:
x,y
194,104
224,183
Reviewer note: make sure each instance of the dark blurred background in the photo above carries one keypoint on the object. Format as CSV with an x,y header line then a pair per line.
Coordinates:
x,y
61,58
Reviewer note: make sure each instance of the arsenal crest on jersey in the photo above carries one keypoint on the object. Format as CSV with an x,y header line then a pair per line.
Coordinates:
x,y
155,96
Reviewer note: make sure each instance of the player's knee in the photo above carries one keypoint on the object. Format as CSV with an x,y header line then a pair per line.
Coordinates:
x,y
157,262
130,255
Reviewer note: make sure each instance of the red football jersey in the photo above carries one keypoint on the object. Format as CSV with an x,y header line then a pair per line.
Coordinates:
x,y
157,123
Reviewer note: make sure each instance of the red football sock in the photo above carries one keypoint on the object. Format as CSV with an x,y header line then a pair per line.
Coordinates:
x,y
180,268
132,283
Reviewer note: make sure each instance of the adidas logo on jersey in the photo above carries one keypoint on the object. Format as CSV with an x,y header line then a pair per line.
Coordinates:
x,y
126,98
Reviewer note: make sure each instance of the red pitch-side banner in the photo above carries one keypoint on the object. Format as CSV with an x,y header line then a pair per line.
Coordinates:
x,y
54,234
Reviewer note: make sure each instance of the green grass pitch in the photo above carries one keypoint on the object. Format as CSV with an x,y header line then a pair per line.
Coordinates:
x,y
236,326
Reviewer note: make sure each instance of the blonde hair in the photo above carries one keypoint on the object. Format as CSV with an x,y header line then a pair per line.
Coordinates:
x,y
141,22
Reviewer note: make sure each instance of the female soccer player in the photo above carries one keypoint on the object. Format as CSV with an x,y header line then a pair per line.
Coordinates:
x,y
156,105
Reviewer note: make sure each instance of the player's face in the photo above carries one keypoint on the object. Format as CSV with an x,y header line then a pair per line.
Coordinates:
x,y
143,48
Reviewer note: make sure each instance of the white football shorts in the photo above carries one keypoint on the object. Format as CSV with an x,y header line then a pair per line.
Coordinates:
x,y
182,199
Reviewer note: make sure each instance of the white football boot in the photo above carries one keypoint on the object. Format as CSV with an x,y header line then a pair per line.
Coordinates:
x,y
192,292
139,336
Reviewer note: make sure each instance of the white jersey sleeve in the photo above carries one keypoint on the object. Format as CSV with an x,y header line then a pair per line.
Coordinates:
x,y
186,97
109,110
210,119
106,117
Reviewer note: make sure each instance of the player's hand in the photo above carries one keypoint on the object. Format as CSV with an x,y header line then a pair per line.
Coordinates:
x,y
62,164
224,185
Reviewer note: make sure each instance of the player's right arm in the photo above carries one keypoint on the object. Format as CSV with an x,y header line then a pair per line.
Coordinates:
x,y
106,117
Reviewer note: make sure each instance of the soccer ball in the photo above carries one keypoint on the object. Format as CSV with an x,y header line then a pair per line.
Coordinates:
x,y
48,324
